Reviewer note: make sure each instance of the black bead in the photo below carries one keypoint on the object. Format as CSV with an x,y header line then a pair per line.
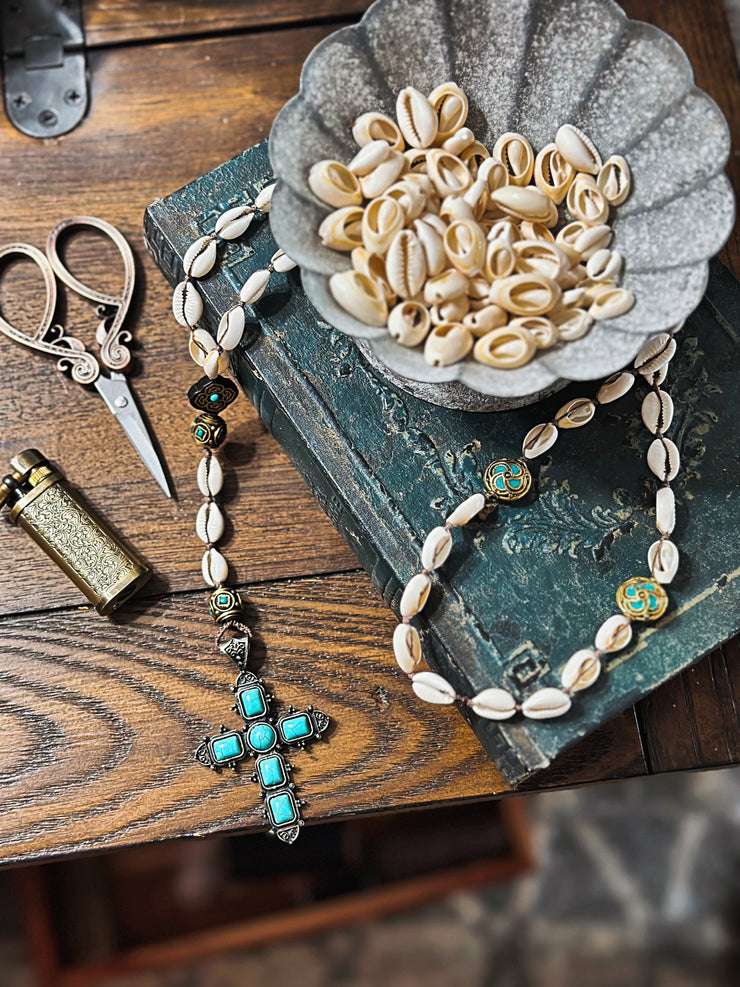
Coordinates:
x,y
212,395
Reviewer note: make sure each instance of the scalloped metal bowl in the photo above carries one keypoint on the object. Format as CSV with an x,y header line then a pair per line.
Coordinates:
x,y
529,67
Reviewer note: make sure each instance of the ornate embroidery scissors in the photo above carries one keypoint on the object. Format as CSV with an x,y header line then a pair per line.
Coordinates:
x,y
110,336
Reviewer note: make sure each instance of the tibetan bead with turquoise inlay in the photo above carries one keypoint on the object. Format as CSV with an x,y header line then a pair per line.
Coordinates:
x,y
507,479
225,604
642,598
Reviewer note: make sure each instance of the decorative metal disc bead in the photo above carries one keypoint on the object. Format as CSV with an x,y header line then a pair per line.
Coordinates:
x,y
214,395
507,479
208,431
642,598
225,604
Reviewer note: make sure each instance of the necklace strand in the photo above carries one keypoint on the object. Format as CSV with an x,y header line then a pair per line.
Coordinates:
x,y
506,480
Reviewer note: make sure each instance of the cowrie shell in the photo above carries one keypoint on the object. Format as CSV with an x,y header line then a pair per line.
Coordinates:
x,y
541,329
215,363
581,670
369,157
264,198
360,296
448,284
436,548
575,413
209,522
417,120
342,229
655,354
447,343
523,203
376,126
409,323
467,510
664,459
665,510
200,345
545,704
539,257
410,196
615,387
465,246
231,328
453,310
407,647
335,184
539,439
665,568
254,287
494,704
456,143
214,568
586,202
383,175
232,223
382,219
210,476
450,104
526,294
507,348
604,265
432,688
611,303
591,239
500,259
200,257
415,595
485,320
187,305
433,246
449,174
614,634
657,411
615,180
515,153
405,264
553,174
578,149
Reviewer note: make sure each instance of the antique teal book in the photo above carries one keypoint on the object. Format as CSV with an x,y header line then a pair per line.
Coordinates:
x,y
527,585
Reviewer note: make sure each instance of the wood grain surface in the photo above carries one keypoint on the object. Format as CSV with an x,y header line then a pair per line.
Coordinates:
x,y
99,717
138,20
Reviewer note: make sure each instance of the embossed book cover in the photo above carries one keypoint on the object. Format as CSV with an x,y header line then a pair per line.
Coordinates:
x,y
526,585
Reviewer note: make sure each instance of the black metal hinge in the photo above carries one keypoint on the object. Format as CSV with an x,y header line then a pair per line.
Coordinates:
x,y
45,80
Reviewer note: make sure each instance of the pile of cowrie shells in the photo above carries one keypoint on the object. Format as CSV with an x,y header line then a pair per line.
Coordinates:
x,y
453,247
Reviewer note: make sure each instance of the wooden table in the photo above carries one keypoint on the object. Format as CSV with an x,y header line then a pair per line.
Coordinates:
x,y
98,718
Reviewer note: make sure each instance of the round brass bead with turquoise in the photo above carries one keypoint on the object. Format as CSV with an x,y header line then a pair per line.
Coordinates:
x,y
208,431
507,479
642,598
225,604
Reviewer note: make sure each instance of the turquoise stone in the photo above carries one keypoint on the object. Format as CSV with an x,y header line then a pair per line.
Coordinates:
x,y
282,809
228,747
296,727
271,771
214,397
252,702
261,737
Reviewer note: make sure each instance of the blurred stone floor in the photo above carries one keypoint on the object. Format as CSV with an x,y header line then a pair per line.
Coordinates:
x,y
638,885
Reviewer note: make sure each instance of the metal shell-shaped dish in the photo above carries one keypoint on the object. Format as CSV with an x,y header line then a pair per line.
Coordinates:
x,y
530,67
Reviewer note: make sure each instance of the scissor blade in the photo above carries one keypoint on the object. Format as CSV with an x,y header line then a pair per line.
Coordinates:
x,y
114,390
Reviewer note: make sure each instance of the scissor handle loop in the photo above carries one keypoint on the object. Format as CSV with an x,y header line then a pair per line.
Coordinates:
x,y
114,354
48,338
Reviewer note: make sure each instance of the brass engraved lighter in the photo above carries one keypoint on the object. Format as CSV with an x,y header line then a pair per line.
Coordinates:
x,y
54,515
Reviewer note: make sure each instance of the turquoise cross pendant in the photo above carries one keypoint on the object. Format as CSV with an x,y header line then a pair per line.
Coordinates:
x,y
264,738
